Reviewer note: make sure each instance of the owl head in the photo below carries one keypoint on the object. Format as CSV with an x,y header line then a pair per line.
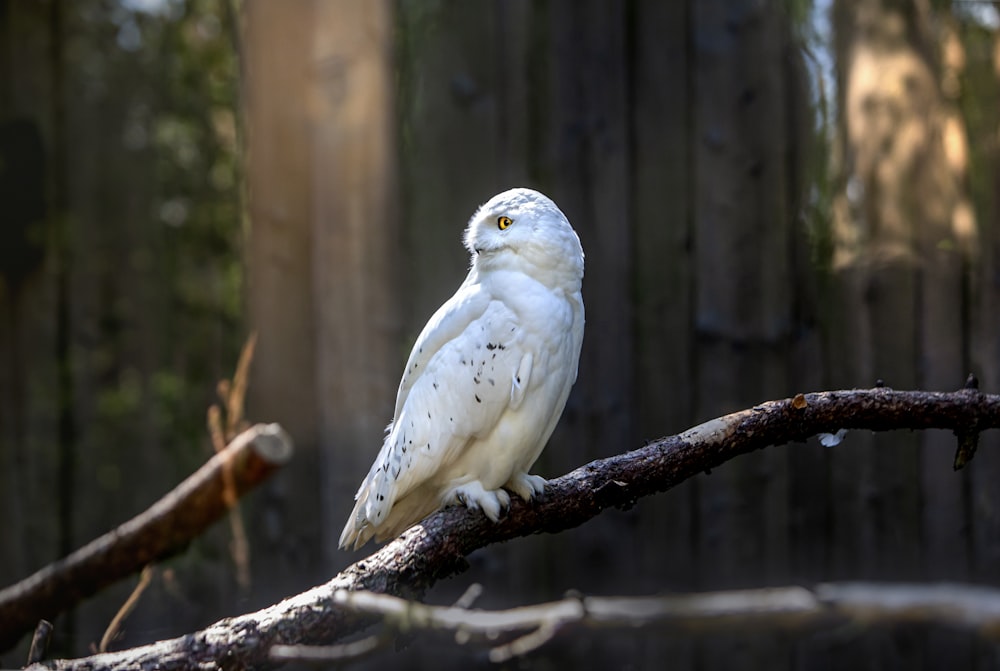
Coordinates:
x,y
522,229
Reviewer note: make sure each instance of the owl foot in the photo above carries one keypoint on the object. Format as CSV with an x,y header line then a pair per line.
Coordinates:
x,y
474,495
526,486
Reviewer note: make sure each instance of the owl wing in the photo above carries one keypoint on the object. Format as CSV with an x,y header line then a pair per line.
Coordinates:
x,y
468,303
466,369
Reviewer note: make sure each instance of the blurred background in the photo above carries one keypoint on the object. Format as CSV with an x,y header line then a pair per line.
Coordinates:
x,y
774,197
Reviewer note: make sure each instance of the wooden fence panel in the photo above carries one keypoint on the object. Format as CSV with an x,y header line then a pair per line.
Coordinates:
x,y
671,134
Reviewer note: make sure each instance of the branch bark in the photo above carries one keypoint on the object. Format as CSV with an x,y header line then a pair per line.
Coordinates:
x,y
437,547
782,609
164,529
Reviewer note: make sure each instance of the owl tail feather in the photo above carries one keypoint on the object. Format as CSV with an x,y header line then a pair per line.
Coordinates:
x,y
358,530
406,512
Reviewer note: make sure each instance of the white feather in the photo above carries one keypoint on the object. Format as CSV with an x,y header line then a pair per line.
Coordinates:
x,y
488,376
832,439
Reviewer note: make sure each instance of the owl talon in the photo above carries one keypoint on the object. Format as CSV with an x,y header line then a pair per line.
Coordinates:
x,y
503,497
526,486
473,495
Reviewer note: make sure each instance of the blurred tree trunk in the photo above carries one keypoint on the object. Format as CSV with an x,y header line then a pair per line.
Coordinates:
x,y
355,248
321,258
981,107
280,300
904,231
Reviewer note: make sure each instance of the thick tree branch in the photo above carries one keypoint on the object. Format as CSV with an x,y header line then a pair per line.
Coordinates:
x,y
437,547
517,631
161,531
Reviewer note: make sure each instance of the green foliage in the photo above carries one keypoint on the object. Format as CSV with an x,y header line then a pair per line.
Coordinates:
x,y
813,38
158,83
979,100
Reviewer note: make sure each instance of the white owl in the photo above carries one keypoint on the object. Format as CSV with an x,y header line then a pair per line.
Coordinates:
x,y
488,376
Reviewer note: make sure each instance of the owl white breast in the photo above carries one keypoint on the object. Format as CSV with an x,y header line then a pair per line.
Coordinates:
x,y
488,376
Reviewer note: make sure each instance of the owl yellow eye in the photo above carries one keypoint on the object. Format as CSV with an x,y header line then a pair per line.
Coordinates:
x,y
503,223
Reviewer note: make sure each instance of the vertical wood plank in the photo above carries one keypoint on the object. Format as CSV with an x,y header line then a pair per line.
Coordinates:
x,y
741,309
743,296
281,298
943,244
945,535
981,500
663,266
450,58
355,244
809,503
460,98
663,275
583,157
984,497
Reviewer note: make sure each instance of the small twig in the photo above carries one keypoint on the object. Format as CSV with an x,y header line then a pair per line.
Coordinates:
x,y
787,609
972,382
321,654
530,642
239,547
469,596
232,396
968,443
40,642
216,433
967,436
238,391
144,579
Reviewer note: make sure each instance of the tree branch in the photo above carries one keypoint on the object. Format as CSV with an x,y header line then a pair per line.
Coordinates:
x,y
437,547
776,609
164,529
